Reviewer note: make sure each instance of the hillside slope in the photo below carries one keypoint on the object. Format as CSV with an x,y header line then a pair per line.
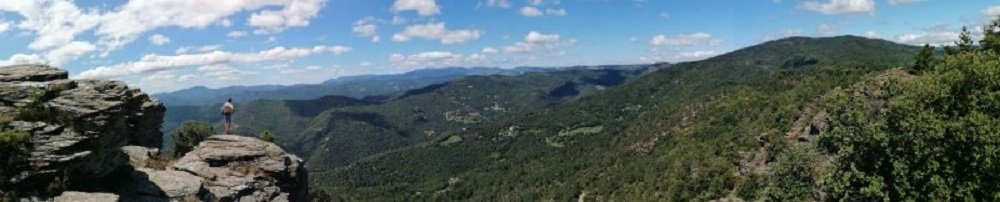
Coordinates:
x,y
336,130
677,134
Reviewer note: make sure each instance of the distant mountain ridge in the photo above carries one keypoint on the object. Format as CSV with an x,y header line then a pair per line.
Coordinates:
x,y
361,87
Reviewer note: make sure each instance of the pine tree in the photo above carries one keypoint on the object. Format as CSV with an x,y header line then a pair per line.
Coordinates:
x,y
991,36
924,59
964,43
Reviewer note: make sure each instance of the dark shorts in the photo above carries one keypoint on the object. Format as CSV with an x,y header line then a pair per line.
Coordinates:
x,y
229,118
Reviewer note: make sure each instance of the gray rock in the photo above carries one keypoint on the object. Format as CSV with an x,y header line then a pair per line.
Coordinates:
x,y
80,125
139,156
31,73
244,169
171,184
72,196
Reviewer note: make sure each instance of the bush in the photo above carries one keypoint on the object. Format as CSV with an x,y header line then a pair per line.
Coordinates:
x,y
266,136
189,134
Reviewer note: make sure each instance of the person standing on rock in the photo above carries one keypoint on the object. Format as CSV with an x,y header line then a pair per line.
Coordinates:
x,y
227,111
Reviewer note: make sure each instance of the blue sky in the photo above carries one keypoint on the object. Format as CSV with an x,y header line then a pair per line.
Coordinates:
x,y
164,45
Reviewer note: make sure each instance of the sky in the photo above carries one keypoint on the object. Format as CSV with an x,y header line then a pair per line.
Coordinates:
x,y
167,45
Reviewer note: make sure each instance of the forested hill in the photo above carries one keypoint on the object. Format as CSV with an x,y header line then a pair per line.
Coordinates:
x,y
698,131
352,86
335,130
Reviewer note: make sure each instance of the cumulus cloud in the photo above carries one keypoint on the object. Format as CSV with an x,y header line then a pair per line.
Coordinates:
x,y
158,39
676,56
538,44
835,7
154,63
436,59
530,11
18,59
366,27
437,31
933,38
490,50
58,23
698,38
422,7
69,52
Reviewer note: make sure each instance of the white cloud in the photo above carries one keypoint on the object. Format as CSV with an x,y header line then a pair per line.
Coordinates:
x,y
698,38
835,7
200,49
223,72
933,38
4,26
497,3
903,2
18,59
365,27
155,63
676,56
57,23
555,12
992,12
490,50
69,52
543,2
529,11
236,34
437,31
536,41
296,13
158,39
436,59
423,7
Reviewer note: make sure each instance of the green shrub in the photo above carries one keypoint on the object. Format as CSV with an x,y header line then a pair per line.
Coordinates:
x,y
13,149
936,138
189,134
266,136
35,109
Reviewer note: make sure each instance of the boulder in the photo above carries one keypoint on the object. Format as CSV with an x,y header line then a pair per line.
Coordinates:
x,y
246,169
139,156
72,196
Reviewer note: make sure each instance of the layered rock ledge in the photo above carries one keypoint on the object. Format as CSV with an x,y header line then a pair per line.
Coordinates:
x,y
101,140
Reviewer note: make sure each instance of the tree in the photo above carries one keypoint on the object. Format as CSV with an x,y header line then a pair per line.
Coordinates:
x,y
965,43
925,59
934,138
189,134
991,36
266,136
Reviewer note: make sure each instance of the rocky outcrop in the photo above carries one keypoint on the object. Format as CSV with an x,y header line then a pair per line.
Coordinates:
x,y
76,126
246,169
102,136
